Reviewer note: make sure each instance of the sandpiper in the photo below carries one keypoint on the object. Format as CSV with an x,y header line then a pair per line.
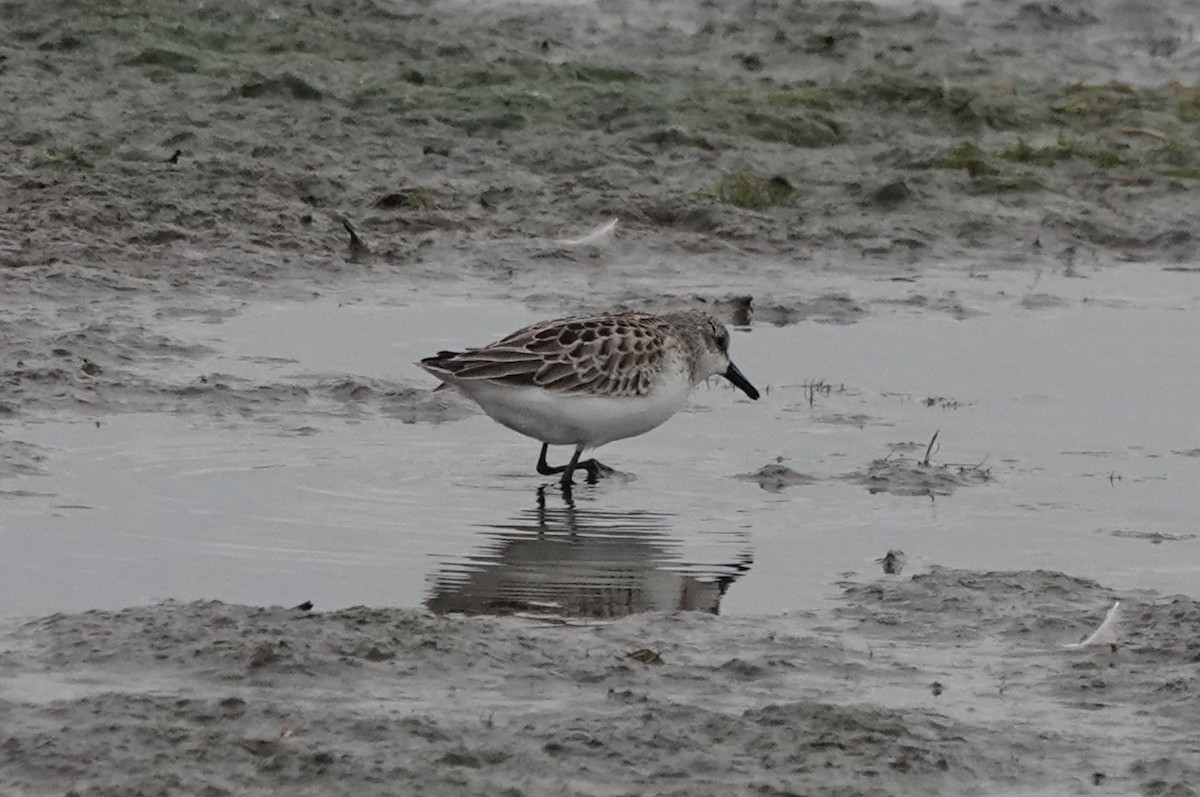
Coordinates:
x,y
590,379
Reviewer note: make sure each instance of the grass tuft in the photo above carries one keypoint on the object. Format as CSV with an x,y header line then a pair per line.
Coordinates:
x,y
753,192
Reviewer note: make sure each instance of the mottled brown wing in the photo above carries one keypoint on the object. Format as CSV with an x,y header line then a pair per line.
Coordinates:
x,y
510,365
607,355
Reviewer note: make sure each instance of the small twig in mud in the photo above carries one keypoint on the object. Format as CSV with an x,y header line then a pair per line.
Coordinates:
x,y
930,449
983,474
1145,131
357,247
963,469
814,388
1067,256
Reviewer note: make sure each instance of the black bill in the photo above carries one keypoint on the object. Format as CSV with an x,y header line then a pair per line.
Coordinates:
x,y
739,380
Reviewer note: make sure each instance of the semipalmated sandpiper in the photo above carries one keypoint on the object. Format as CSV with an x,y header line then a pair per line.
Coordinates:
x,y
588,380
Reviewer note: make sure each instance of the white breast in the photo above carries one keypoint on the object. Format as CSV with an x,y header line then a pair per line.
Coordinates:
x,y
578,419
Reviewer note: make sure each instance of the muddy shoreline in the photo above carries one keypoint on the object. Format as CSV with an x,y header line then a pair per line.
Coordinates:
x,y
745,150
952,682
780,163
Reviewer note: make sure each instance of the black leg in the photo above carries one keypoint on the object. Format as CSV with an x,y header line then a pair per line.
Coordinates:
x,y
593,467
543,467
572,465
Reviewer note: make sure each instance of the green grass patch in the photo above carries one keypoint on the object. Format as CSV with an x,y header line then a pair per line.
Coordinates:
x,y
1176,153
753,191
69,158
1182,173
985,177
913,93
893,89
1063,148
533,72
419,199
164,58
1007,184
486,77
1187,103
969,158
201,36
1089,102
818,97
488,124
604,74
1024,152
671,137
966,106
798,131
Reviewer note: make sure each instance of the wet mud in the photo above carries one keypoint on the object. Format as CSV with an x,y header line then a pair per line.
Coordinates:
x,y
173,175
218,152
948,682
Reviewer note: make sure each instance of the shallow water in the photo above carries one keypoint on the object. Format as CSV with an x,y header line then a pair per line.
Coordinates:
x,y
1076,398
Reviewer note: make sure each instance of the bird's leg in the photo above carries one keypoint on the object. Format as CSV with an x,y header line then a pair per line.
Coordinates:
x,y
543,467
593,467
572,465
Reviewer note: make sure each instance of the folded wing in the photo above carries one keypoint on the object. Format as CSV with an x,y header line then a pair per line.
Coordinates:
x,y
610,355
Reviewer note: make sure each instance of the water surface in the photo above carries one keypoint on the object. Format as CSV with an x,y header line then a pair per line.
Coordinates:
x,y
1077,401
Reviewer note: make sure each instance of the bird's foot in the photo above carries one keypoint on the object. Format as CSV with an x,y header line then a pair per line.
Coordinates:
x,y
594,467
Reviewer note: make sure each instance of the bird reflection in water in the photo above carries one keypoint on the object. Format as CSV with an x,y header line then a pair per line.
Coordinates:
x,y
583,562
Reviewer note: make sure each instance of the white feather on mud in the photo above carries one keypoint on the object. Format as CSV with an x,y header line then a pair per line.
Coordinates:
x,y
600,235
1106,633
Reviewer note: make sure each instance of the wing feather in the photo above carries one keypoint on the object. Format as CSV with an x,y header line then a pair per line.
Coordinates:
x,y
614,354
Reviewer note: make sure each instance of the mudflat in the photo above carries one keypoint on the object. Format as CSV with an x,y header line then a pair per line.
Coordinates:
x,y
799,167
